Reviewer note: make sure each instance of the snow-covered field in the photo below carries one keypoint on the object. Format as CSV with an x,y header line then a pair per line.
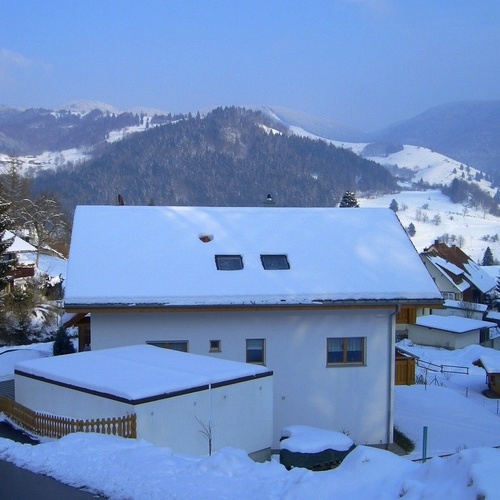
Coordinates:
x,y
434,215
459,418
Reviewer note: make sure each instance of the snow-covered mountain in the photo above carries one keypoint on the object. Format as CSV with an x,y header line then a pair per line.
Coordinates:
x,y
432,213
83,107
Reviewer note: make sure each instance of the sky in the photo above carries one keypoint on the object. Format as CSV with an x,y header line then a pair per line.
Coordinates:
x,y
362,63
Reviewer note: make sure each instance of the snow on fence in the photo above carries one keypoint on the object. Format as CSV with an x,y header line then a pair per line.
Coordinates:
x,y
55,427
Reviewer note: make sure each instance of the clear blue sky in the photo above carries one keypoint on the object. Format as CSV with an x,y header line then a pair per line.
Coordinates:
x,y
365,63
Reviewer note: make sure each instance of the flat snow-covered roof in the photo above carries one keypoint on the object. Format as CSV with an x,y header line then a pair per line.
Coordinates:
x,y
132,256
134,373
455,324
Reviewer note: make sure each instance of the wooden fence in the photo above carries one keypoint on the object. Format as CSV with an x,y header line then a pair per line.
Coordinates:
x,y
52,426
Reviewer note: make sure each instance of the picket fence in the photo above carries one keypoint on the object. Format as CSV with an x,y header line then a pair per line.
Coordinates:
x,y
53,426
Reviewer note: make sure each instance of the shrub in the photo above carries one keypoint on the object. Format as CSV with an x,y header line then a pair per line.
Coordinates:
x,y
403,441
62,343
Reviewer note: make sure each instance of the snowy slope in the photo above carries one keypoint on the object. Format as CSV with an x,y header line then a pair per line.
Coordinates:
x,y
427,166
434,215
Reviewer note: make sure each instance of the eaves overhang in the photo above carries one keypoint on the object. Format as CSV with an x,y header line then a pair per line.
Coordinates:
x,y
311,305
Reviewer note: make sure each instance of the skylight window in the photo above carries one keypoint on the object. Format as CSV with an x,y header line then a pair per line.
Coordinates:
x,y
274,262
229,262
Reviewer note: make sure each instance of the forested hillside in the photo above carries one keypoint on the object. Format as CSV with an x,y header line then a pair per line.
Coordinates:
x,y
231,157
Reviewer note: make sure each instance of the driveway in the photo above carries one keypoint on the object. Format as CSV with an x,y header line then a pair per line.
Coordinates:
x,y
20,484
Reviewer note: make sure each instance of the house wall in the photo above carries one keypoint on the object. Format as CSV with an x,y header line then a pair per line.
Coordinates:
x,y
353,399
439,338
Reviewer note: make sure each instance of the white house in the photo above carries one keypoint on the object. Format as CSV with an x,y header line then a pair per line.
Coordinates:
x,y
311,293
178,398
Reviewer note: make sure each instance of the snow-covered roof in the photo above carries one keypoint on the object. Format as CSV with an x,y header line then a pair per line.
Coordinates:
x,y
138,372
18,244
493,315
493,271
482,279
468,306
155,256
439,261
449,271
490,363
455,324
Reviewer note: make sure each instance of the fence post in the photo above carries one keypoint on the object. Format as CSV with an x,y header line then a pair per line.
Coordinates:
x,y
424,445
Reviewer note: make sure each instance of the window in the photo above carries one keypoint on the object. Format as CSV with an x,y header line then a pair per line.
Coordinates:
x,y
229,262
175,345
256,351
448,295
274,262
345,350
215,346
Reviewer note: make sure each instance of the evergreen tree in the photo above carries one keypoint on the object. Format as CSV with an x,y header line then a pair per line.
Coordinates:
x,y
488,259
394,205
62,343
411,229
349,200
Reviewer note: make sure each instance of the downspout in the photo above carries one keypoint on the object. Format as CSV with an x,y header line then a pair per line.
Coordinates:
x,y
392,347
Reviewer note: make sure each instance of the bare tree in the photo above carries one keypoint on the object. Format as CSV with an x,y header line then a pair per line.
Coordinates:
x,y
44,219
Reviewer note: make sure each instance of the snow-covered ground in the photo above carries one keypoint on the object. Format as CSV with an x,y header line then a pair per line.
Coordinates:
x,y
460,420
434,215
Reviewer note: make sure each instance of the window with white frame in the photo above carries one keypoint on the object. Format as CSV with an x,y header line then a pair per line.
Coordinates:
x,y
345,350
255,351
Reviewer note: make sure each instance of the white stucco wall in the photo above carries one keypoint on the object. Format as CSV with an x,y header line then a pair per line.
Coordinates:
x,y
353,399
440,338
64,402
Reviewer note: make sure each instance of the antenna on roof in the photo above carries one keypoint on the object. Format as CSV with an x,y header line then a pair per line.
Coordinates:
x,y
120,200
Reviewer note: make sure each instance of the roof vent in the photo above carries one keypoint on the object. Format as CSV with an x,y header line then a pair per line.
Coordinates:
x,y
206,238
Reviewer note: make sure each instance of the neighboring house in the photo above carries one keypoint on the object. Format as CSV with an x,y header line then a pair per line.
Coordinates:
x,y
181,400
449,278
449,332
310,293
16,251
462,308
481,283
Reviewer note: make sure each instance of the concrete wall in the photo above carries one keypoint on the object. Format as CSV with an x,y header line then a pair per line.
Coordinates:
x,y
354,399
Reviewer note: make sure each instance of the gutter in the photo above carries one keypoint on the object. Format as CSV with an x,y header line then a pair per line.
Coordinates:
x,y
391,364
